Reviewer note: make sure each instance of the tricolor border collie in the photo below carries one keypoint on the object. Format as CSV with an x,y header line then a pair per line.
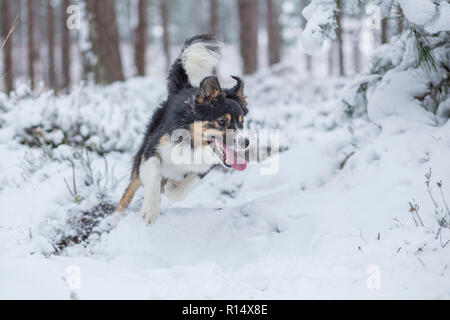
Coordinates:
x,y
194,130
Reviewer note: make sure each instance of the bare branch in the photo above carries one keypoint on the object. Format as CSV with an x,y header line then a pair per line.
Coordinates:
x,y
13,27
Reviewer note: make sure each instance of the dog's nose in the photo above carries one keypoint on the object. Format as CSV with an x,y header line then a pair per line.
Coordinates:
x,y
246,143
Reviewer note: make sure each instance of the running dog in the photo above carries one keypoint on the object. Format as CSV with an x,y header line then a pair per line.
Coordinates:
x,y
197,128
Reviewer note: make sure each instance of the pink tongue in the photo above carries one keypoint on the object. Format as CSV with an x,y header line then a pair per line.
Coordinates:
x,y
233,159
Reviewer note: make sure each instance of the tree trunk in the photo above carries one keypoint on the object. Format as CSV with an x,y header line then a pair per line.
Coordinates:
x,y
165,24
331,59
140,44
356,51
340,45
104,37
213,17
51,46
273,31
308,57
65,46
384,31
31,46
248,18
6,25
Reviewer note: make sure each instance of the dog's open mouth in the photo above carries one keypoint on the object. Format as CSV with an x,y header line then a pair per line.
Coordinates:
x,y
229,156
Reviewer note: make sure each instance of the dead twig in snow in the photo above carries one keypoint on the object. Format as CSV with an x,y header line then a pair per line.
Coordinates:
x,y
439,184
73,192
439,235
428,182
398,221
414,209
421,261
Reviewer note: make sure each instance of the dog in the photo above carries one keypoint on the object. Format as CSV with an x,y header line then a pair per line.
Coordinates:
x,y
197,128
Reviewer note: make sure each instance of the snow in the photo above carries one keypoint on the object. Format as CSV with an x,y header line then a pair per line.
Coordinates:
x,y
312,230
418,11
442,23
97,116
393,86
320,16
433,15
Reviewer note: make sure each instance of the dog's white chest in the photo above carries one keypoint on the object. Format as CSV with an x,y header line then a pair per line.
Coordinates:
x,y
179,159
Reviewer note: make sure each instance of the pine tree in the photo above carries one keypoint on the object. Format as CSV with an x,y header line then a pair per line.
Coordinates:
x,y
140,36
273,32
420,47
51,46
248,18
339,37
31,45
65,46
213,17
6,45
384,31
165,23
308,57
104,37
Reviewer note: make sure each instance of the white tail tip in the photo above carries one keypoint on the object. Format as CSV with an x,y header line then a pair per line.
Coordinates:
x,y
199,60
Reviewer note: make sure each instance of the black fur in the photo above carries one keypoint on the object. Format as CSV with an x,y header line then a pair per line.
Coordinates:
x,y
182,108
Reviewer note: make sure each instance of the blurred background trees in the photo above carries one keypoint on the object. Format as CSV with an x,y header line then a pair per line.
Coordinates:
x,y
6,25
248,35
113,35
118,39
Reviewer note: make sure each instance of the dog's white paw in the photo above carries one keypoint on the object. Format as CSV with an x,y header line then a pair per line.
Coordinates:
x,y
110,222
150,212
151,179
178,191
171,190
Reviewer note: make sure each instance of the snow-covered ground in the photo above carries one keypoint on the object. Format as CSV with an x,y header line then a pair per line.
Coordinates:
x,y
333,222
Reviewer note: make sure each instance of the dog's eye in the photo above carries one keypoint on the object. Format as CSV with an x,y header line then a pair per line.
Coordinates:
x,y
222,122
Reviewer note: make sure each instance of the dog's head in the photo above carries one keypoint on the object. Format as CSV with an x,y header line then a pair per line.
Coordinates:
x,y
221,113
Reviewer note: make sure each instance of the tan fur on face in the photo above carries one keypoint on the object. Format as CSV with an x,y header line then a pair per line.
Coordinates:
x,y
227,118
200,130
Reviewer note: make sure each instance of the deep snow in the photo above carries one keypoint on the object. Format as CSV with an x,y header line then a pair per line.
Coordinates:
x,y
310,231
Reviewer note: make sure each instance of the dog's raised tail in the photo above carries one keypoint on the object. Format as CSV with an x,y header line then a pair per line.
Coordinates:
x,y
198,58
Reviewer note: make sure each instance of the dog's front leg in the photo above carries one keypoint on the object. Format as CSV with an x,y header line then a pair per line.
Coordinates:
x,y
150,175
178,191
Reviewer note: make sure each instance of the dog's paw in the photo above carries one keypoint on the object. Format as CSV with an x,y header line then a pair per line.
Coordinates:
x,y
171,190
177,191
110,222
150,213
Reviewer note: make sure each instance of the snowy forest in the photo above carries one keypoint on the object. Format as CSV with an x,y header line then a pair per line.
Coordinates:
x,y
356,201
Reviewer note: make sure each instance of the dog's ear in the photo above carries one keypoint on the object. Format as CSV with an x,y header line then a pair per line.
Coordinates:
x,y
238,92
209,90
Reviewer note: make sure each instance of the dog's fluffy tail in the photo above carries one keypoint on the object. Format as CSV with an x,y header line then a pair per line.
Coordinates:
x,y
199,57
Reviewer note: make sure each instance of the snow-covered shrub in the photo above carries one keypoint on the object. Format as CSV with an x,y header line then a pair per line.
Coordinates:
x,y
409,76
88,202
82,186
31,163
440,209
101,119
